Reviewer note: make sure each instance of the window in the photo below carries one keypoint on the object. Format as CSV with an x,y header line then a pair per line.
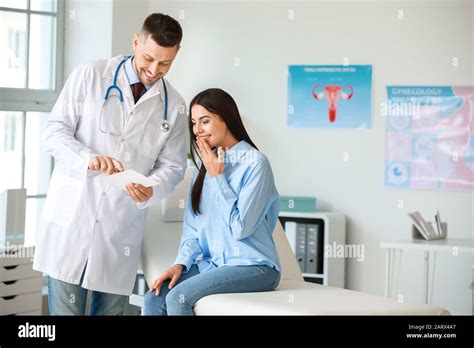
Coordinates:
x,y
16,52
11,152
28,37
31,36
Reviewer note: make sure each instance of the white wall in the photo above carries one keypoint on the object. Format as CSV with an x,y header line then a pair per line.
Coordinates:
x,y
88,33
128,17
416,50
99,29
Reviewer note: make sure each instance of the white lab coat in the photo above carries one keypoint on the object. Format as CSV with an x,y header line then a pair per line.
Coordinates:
x,y
86,221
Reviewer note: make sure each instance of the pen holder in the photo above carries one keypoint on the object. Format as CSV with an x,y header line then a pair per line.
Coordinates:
x,y
418,235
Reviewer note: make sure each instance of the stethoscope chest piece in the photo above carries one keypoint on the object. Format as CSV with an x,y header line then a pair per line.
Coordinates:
x,y
165,127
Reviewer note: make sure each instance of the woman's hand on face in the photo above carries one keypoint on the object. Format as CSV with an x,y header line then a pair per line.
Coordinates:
x,y
214,164
173,273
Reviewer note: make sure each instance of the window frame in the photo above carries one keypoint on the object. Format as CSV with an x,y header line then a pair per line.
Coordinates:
x,y
25,99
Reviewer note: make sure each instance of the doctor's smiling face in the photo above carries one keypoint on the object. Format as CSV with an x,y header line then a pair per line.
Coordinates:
x,y
156,47
151,61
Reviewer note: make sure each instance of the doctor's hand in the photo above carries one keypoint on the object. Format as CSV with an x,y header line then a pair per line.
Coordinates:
x,y
105,164
139,193
173,273
214,163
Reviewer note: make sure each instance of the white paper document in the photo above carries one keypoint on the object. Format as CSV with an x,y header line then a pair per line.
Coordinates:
x,y
126,177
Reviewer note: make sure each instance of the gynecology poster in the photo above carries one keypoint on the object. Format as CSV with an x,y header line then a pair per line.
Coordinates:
x,y
429,137
329,96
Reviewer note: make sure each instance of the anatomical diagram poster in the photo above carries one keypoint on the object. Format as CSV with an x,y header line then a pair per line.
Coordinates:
x,y
329,96
429,141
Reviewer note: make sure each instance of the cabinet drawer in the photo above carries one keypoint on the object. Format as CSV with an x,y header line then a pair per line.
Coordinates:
x,y
20,303
17,256
8,273
22,286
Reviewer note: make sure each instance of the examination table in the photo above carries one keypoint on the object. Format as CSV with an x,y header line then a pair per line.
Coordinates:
x,y
293,296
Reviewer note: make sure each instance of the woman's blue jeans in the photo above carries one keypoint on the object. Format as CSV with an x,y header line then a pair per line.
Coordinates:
x,y
193,286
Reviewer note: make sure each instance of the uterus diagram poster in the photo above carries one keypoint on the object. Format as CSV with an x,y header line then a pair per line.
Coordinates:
x,y
429,141
329,96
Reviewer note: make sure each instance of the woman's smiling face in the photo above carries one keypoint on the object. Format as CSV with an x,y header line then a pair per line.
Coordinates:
x,y
209,126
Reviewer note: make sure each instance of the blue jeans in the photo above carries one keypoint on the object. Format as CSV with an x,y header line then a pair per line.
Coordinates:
x,y
193,286
70,299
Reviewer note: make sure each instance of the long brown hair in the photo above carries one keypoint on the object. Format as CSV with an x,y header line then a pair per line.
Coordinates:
x,y
219,102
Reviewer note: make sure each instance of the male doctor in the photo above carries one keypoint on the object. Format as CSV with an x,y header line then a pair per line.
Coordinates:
x,y
92,232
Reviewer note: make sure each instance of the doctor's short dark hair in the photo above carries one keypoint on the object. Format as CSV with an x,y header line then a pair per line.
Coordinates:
x,y
164,30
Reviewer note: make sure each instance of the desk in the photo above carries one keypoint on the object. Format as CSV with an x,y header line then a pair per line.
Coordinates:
x,y
454,246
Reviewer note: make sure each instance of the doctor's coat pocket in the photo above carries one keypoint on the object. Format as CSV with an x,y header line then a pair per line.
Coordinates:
x,y
63,199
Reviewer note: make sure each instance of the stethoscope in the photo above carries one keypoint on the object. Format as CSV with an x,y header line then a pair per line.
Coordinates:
x,y
165,127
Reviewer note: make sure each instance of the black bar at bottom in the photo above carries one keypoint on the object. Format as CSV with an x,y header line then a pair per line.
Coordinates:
x,y
412,330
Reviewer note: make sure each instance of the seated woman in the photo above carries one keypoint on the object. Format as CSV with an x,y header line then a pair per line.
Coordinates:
x,y
229,218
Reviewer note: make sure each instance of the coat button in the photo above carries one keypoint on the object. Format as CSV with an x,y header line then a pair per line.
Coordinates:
x,y
96,221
